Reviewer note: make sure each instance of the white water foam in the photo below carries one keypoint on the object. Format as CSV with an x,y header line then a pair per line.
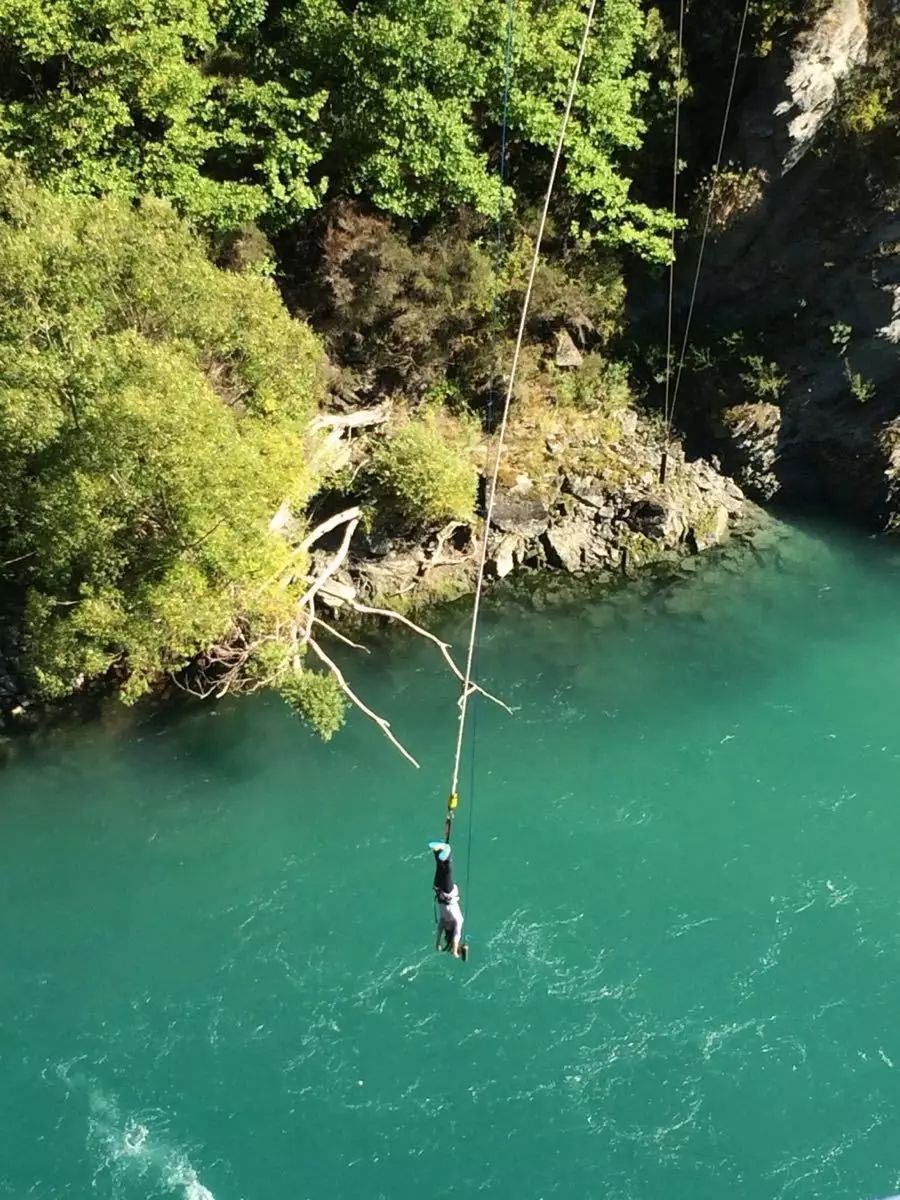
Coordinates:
x,y
131,1149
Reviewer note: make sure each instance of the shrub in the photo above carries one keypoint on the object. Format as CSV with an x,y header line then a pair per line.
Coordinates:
x,y
425,472
762,378
153,415
597,386
861,389
433,317
734,191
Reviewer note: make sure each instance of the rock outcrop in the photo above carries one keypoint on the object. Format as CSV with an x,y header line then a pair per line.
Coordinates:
x,y
748,436
799,88
812,273
617,520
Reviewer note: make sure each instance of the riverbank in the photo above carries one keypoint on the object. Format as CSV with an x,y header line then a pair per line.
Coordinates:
x,y
593,504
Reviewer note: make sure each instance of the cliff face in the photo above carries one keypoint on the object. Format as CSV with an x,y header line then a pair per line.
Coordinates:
x,y
812,269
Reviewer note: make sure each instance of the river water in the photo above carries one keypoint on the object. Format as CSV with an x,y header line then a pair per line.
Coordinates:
x,y
217,977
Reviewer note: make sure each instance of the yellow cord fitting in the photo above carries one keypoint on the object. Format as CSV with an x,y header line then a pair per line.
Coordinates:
x,y
452,802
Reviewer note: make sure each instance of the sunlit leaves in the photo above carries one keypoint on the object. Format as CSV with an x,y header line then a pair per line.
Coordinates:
x,y
153,412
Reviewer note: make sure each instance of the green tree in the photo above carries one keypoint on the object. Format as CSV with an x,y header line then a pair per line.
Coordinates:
x,y
136,97
413,107
153,414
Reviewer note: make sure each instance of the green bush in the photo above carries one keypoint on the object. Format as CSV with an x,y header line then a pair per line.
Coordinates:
x,y
317,699
597,386
153,415
764,379
433,317
403,316
425,473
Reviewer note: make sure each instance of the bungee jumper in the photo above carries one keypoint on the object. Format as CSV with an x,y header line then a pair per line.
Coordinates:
x,y
450,917
446,894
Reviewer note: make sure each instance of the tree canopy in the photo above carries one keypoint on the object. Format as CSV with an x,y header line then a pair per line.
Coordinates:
x,y
239,113
153,411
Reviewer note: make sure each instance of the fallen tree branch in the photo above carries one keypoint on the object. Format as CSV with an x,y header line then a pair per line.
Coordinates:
x,y
340,636
341,518
221,669
444,647
332,567
358,419
382,724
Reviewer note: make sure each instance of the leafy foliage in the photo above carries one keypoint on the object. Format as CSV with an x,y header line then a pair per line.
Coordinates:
x,y
726,196
253,114
431,317
152,415
599,386
769,18
763,378
414,91
128,98
869,107
861,389
399,316
317,699
425,471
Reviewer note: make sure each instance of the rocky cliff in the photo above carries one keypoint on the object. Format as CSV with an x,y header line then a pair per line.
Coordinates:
x,y
809,272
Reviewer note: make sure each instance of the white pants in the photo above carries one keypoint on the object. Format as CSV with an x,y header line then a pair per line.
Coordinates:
x,y
451,919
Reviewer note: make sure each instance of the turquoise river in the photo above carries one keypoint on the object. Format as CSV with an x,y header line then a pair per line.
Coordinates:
x,y
217,978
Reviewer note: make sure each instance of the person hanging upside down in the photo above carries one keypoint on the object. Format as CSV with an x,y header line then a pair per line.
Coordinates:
x,y
450,917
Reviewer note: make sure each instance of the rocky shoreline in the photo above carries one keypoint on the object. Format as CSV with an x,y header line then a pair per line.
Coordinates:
x,y
581,525
614,524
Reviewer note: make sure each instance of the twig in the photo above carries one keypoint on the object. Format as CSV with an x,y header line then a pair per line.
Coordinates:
x,y
340,636
9,562
203,537
382,724
444,647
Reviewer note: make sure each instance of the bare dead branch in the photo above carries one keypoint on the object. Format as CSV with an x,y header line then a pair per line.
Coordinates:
x,y
20,558
358,419
281,517
202,693
332,567
340,636
341,518
444,647
382,724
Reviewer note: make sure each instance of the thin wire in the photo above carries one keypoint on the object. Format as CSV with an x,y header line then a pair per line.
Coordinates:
x,y
709,207
476,606
499,255
675,155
